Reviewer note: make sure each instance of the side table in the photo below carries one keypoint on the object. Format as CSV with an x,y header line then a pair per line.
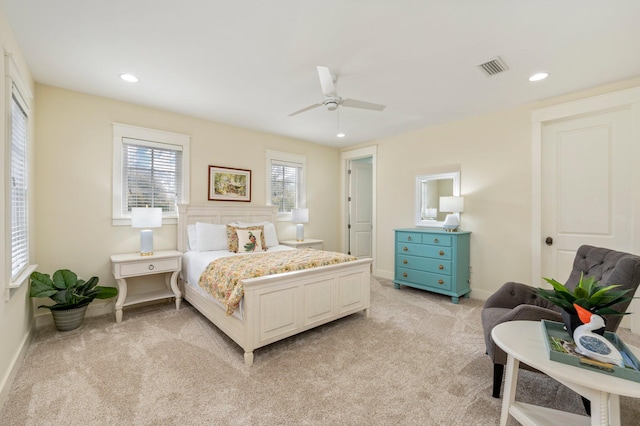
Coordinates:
x,y
306,243
130,265
522,341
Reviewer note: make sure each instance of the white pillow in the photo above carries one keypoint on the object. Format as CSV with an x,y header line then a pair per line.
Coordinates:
x,y
211,236
192,240
249,240
270,234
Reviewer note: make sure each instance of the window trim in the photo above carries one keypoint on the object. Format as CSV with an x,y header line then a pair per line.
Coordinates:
x,y
15,87
294,159
148,137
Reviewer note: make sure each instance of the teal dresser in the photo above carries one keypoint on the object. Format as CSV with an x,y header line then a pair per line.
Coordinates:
x,y
433,260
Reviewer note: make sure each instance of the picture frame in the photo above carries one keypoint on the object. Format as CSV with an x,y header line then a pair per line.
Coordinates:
x,y
229,184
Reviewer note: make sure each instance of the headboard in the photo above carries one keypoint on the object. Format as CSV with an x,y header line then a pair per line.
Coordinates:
x,y
189,214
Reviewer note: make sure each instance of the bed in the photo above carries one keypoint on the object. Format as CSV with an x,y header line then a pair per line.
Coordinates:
x,y
278,306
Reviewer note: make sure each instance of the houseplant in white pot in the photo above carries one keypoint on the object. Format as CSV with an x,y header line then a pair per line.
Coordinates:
x,y
72,296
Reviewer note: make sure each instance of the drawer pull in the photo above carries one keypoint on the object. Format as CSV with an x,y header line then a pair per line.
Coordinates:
x,y
440,282
405,249
435,240
404,274
441,267
405,261
441,253
409,238
151,267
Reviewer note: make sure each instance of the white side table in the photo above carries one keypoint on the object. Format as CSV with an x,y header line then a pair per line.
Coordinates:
x,y
522,341
306,243
129,265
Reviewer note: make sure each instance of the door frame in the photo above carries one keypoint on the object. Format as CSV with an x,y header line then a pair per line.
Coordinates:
x,y
345,158
622,99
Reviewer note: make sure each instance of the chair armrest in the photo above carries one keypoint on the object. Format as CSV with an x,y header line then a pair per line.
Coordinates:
x,y
531,313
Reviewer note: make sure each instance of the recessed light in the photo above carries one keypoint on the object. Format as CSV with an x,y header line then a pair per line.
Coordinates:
x,y
129,78
539,76
341,135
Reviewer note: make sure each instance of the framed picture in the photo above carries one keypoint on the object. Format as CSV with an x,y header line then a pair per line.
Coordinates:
x,y
227,184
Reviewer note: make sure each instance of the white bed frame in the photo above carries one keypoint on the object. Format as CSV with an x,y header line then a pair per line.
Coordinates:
x,y
277,306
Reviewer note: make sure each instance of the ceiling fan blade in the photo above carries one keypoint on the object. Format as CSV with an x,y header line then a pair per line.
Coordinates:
x,y
326,81
352,103
305,109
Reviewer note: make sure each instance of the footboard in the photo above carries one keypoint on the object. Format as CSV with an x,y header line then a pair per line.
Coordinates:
x,y
279,306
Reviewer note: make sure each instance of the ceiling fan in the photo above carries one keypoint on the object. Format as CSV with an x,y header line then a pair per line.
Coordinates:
x,y
332,100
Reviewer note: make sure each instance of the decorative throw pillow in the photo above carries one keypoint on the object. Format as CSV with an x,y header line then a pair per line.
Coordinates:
x,y
232,237
249,240
270,235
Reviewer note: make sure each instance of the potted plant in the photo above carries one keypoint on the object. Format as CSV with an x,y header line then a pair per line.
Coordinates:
x,y
587,294
72,296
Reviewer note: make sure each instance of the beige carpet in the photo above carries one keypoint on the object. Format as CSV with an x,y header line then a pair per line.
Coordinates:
x,y
417,360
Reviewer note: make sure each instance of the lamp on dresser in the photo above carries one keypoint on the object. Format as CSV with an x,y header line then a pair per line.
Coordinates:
x,y
146,217
300,217
454,206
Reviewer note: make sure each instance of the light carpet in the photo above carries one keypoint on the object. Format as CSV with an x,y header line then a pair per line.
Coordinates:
x,y
417,360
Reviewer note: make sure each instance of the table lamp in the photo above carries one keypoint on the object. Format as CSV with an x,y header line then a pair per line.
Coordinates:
x,y
454,206
146,217
300,216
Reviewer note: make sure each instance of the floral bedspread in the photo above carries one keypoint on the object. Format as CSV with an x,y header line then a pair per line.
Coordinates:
x,y
221,278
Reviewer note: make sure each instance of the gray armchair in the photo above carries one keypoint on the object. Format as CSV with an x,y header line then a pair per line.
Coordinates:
x,y
515,301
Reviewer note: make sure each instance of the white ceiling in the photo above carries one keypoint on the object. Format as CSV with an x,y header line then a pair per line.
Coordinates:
x,y
251,63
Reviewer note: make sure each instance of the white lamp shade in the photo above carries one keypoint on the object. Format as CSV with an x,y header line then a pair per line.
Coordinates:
x,y
300,215
146,217
452,204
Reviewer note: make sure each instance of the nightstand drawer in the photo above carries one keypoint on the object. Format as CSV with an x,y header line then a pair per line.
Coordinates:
x,y
145,267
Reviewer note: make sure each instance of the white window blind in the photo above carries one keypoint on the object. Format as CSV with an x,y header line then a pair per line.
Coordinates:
x,y
19,196
286,185
151,175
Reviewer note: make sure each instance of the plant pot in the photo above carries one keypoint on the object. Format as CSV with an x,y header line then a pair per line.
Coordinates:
x,y
572,321
68,319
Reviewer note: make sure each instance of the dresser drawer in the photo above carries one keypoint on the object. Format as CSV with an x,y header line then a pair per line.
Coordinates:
x,y
437,240
426,279
145,267
409,237
433,252
425,264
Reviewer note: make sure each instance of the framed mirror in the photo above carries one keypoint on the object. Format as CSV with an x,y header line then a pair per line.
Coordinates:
x,y
429,189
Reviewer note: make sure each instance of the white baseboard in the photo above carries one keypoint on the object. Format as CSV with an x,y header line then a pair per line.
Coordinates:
x,y
16,363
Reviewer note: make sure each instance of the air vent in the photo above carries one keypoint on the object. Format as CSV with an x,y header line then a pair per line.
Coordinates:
x,y
494,66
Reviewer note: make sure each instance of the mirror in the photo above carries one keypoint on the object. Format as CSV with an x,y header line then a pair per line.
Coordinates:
x,y
429,189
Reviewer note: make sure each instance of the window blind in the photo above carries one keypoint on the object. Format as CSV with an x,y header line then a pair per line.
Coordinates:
x,y
286,179
151,175
19,198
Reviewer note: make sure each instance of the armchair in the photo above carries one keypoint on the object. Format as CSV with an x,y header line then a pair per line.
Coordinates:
x,y
515,301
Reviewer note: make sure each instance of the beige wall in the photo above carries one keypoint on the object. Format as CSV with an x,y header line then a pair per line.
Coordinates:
x,y
494,154
16,315
74,177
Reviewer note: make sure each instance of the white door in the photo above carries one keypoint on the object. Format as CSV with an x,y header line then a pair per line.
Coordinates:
x,y
586,187
360,208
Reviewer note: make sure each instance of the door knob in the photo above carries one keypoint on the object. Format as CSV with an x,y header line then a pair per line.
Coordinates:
x,y
548,241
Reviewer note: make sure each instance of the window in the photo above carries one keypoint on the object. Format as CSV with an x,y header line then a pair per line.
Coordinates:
x,y
150,169
286,182
17,184
19,194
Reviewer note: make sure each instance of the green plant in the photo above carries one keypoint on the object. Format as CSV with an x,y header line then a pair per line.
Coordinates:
x,y
67,290
588,294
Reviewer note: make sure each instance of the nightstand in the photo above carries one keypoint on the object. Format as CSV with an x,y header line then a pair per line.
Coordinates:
x,y
306,243
130,265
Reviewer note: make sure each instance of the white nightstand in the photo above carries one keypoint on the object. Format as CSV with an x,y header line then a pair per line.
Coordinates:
x,y
130,265
306,243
